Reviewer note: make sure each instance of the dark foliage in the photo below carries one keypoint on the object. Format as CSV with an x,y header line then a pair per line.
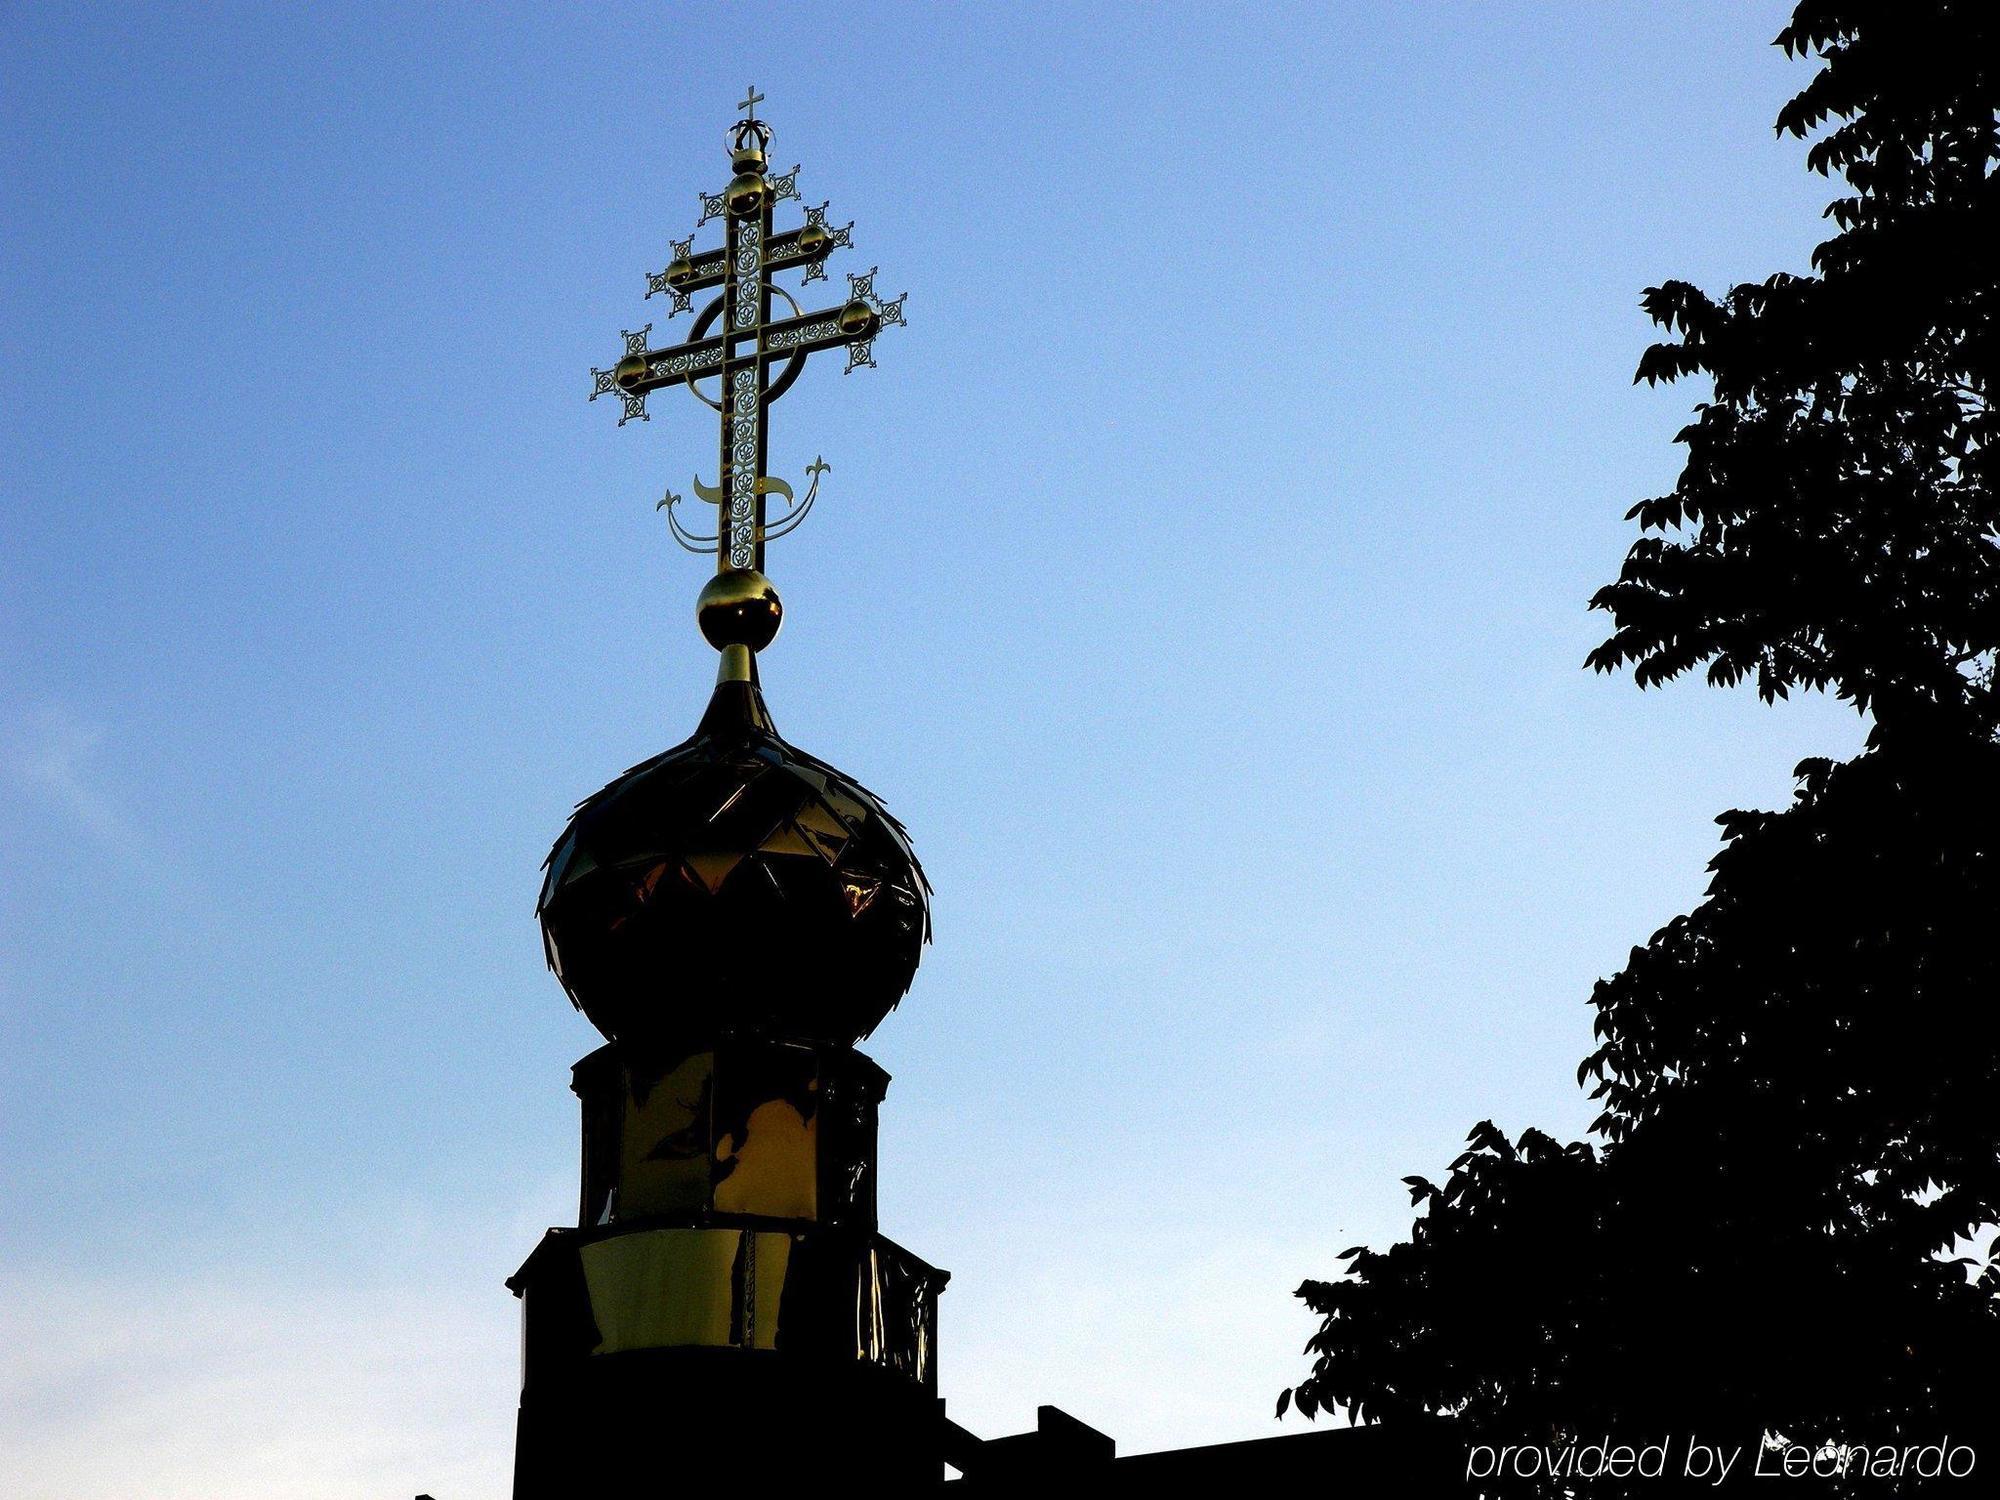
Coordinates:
x,y
1834,524
1801,1078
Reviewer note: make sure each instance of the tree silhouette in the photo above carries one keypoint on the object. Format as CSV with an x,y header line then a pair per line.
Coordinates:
x,y
1800,1078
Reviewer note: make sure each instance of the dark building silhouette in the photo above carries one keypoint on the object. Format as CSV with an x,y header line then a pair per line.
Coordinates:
x,y
735,916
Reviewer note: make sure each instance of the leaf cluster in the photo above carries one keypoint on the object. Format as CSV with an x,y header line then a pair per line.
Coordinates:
x,y
1835,525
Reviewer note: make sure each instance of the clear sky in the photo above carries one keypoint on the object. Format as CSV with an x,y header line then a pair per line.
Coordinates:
x,y
1201,576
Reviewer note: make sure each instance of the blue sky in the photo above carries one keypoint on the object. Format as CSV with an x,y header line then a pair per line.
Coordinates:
x,y
1200,576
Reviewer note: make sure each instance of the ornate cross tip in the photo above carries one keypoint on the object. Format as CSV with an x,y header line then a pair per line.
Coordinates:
x,y
818,241
680,271
752,337
867,312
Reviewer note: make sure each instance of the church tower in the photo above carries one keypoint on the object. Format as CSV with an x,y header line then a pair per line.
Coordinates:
x,y
734,916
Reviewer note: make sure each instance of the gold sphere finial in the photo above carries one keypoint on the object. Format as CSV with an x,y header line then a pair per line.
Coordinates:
x,y
739,607
857,317
745,195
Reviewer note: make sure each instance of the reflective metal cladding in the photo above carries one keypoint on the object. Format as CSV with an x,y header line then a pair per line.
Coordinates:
x,y
734,881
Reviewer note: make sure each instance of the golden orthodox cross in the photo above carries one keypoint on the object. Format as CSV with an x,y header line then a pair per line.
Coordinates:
x,y
753,355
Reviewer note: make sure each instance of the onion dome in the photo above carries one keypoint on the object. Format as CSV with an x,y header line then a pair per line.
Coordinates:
x,y
734,883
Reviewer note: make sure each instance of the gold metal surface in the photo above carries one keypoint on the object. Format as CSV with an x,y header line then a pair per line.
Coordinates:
x,y
664,1145
739,607
856,319
736,665
672,1288
767,1133
746,194
677,1287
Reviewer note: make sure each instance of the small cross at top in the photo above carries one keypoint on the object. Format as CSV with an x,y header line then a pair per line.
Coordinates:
x,y
749,105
